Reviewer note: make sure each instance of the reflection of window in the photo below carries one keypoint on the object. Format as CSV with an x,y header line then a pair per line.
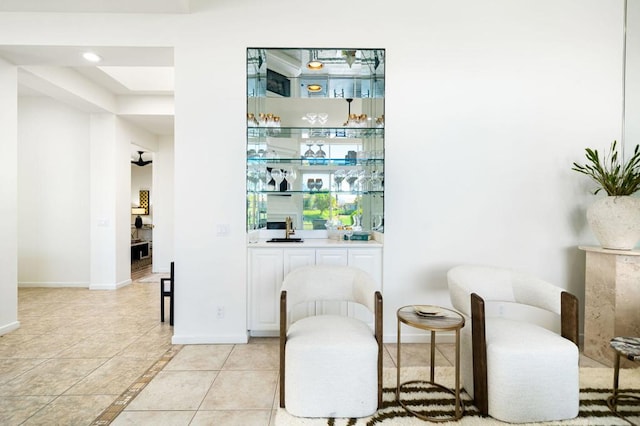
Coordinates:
x,y
335,151
278,83
320,206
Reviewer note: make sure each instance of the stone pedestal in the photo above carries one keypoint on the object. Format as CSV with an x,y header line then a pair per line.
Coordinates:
x,y
612,300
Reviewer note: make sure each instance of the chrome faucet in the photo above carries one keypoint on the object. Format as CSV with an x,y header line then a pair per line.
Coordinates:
x,y
289,228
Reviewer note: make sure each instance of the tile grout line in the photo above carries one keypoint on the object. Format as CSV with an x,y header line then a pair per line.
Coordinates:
x,y
112,411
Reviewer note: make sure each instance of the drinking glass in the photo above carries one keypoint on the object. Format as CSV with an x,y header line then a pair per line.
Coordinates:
x,y
290,176
352,178
318,184
323,117
376,180
364,179
338,177
309,152
264,177
252,177
320,153
311,117
278,176
377,222
348,232
311,184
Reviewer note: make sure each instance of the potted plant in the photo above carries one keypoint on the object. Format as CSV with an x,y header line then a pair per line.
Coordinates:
x,y
615,219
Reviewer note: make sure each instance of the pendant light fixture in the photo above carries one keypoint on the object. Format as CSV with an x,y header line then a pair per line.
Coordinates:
x,y
140,162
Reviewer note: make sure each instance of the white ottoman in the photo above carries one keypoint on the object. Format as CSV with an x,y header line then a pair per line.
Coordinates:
x,y
331,368
532,372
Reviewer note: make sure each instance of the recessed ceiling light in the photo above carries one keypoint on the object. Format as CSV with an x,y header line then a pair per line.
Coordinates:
x,y
91,57
314,63
314,87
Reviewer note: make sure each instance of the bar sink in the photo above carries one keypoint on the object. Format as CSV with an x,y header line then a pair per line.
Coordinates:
x,y
285,240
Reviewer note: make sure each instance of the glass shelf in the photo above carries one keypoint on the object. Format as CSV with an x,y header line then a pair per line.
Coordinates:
x,y
321,192
315,162
314,132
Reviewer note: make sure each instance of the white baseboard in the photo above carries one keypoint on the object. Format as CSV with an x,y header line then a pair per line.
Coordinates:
x,y
9,327
110,286
209,339
53,284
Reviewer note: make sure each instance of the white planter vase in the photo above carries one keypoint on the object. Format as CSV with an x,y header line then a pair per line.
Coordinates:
x,y
615,221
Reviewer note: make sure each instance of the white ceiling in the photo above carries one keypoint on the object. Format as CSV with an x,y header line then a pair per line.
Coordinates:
x,y
119,73
121,67
99,6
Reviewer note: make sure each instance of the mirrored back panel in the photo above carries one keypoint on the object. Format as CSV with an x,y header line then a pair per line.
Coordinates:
x,y
315,138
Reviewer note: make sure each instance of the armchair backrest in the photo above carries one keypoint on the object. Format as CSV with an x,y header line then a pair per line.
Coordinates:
x,y
329,283
496,284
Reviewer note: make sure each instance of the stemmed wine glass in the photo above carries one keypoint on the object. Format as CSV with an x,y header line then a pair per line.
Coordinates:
x,y
352,178
320,153
348,232
311,117
263,175
377,222
311,184
376,180
252,177
338,177
364,178
278,176
290,176
308,154
318,184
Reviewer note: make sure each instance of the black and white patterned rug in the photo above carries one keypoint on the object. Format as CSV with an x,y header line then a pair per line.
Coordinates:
x,y
595,387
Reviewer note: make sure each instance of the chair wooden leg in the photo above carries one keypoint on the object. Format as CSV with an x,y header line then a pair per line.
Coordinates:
x,y
283,341
569,317
479,343
378,332
171,304
161,301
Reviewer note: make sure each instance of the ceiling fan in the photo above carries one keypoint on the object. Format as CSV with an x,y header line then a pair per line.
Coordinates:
x,y
140,162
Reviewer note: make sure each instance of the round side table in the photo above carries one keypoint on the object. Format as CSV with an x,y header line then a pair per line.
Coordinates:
x,y
433,319
628,347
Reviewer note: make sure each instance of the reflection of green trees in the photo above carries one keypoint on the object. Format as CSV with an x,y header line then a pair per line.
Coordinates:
x,y
318,206
321,202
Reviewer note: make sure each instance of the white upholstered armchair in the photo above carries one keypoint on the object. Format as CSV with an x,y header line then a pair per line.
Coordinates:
x,y
330,365
515,370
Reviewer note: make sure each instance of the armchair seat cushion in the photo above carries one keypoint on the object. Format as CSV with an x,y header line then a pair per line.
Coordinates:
x,y
332,367
532,372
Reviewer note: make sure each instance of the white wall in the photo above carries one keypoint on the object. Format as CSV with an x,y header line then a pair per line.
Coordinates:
x,y
9,196
163,205
632,89
53,194
488,104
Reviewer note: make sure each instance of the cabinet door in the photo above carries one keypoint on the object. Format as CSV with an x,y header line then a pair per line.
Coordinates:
x,y
369,260
331,257
296,258
265,280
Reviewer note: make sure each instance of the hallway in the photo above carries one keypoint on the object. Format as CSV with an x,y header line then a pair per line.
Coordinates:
x,y
76,351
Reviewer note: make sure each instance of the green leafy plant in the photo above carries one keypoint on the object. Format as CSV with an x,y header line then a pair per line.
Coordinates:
x,y
613,176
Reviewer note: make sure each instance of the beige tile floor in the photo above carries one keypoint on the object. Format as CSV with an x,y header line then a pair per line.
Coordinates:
x,y
78,350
